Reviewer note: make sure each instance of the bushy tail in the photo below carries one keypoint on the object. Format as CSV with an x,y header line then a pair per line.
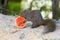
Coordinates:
x,y
49,24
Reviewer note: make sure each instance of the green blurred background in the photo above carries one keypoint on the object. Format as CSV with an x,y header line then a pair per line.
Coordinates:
x,y
14,7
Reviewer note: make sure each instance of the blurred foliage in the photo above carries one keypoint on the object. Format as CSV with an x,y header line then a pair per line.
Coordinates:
x,y
45,8
14,7
59,12
17,0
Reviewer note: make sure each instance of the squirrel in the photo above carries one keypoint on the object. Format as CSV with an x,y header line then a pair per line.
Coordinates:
x,y
36,18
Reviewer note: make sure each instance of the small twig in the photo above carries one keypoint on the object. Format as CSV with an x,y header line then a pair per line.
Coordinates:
x,y
30,8
15,31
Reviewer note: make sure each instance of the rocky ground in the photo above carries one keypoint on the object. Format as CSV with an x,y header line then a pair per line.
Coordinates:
x,y
8,31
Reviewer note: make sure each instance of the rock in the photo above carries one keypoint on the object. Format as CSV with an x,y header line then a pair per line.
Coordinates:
x,y
8,31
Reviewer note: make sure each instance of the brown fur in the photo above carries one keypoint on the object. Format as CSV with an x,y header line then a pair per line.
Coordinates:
x,y
49,24
36,18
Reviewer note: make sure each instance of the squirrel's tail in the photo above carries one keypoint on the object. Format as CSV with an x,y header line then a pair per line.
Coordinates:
x,y
49,24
